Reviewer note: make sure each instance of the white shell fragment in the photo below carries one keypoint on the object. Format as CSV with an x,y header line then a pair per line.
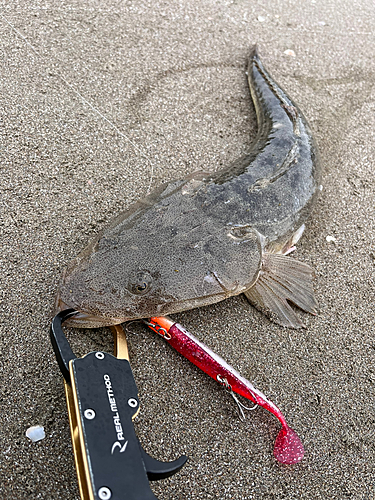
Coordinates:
x,y
330,239
290,53
261,19
35,433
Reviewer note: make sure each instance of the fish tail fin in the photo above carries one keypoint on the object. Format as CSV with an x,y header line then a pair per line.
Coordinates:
x,y
254,54
283,280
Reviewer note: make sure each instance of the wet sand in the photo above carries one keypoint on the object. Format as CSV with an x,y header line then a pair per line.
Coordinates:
x,y
99,101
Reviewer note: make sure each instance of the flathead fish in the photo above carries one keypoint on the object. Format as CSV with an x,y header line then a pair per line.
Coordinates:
x,y
200,240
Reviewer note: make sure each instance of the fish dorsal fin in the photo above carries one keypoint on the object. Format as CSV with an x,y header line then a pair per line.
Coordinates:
x,y
283,279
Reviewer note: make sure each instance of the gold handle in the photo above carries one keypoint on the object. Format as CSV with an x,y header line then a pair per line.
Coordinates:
x,y
121,346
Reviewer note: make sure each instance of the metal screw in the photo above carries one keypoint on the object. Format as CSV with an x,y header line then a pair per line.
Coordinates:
x,y
132,402
89,414
99,355
104,493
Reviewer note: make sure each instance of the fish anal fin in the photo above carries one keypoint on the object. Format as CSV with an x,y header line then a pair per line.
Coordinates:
x,y
282,280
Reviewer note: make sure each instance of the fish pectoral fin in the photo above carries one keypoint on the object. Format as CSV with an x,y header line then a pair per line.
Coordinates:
x,y
283,279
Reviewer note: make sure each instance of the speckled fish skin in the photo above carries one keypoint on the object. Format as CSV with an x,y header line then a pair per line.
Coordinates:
x,y
200,240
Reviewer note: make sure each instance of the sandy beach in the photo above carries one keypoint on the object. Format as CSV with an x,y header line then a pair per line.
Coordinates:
x,y
101,101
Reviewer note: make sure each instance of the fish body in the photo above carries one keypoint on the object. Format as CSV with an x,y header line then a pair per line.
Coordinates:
x,y
199,240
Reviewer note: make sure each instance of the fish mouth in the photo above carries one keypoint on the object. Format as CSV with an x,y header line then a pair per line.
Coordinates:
x,y
83,319
86,320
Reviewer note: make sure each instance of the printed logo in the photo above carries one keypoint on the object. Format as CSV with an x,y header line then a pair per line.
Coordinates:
x,y
117,444
116,417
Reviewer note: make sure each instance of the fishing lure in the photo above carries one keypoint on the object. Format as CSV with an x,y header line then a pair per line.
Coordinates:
x,y
288,447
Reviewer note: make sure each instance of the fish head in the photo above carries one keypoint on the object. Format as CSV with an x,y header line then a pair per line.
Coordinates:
x,y
134,275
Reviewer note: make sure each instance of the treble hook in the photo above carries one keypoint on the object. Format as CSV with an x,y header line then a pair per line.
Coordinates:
x,y
240,406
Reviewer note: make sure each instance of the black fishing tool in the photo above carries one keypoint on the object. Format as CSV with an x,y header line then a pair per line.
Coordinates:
x,y
102,400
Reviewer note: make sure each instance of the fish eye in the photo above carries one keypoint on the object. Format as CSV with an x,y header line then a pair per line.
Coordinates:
x,y
140,283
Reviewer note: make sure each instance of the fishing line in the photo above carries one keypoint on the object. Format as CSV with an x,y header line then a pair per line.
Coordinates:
x,y
137,148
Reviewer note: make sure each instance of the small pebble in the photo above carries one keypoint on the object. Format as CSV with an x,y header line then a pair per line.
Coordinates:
x,y
35,433
261,19
330,239
290,53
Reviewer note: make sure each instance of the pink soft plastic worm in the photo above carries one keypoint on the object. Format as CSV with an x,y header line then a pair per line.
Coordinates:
x,y
288,446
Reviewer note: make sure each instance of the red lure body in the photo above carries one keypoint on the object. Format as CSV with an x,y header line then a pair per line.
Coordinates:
x,y
288,447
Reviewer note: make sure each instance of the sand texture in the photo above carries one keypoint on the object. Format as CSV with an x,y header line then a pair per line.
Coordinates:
x,y
100,100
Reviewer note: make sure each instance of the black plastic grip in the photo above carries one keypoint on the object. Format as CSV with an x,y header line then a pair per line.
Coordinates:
x,y
60,344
